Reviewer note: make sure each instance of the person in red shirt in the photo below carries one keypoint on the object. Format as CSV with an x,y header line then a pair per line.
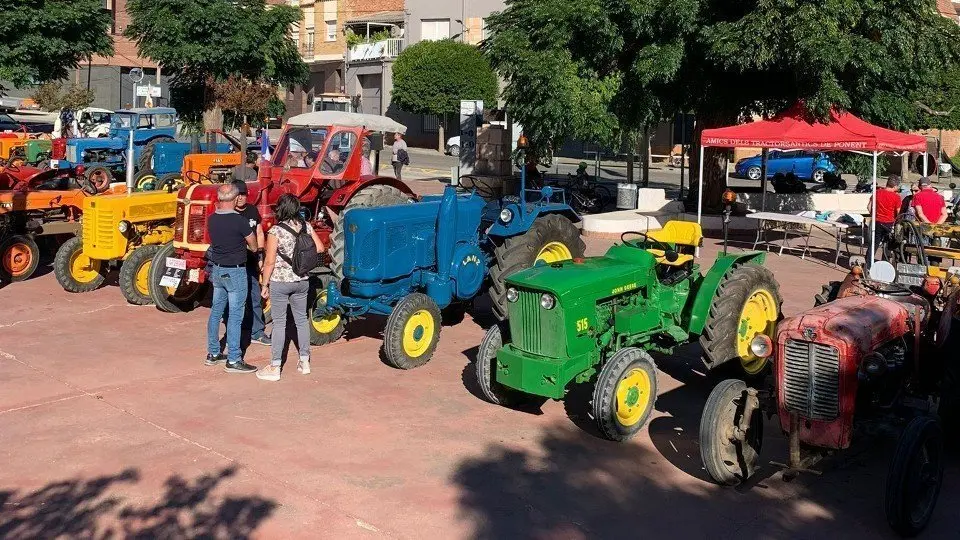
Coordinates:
x,y
930,206
888,208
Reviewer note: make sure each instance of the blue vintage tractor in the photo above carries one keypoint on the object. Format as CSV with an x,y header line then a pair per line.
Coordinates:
x,y
99,158
413,260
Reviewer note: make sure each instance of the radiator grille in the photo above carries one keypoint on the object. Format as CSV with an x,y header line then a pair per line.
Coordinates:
x,y
811,379
528,306
71,154
103,229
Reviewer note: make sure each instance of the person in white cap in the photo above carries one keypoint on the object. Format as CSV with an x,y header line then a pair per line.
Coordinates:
x,y
297,157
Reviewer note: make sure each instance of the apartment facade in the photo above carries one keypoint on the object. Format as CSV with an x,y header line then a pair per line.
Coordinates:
x,y
322,44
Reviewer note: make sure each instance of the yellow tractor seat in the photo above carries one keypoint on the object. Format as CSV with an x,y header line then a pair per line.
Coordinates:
x,y
679,233
682,258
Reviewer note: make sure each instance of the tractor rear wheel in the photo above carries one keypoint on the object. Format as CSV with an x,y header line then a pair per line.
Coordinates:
x,y
828,293
135,275
96,179
484,368
146,180
146,155
625,393
915,477
324,329
368,197
184,298
19,257
552,238
412,332
728,456
746,304
75,271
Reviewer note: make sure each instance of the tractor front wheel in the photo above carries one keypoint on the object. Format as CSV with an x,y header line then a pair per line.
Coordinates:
x,y
135,275
324,329
729,454
746,304
915,477
552,238
75,271
96,179
170,182
184,297
412,332
485,369
19,257
368,197
625,393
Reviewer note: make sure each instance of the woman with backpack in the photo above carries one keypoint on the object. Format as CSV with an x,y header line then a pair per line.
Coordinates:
x,y
291,252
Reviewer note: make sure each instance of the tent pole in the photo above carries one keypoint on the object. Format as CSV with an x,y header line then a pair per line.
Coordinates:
x,y
764,153
873,214
700,194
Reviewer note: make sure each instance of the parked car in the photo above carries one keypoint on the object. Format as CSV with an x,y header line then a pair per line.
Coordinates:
x,y
452,148
805,165
9,104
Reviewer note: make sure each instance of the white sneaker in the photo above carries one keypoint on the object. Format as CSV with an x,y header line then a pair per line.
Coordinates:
x,y
303,366
269,372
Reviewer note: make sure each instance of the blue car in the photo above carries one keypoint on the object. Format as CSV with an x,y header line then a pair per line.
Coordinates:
x,y
805,165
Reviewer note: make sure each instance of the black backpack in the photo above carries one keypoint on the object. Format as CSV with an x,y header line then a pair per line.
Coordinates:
x,y
305,257
403,156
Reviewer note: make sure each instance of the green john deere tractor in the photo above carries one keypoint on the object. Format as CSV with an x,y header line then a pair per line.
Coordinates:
x,y
593,320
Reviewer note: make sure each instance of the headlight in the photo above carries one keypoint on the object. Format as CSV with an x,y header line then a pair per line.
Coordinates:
x,y
547,301
506,215
123,226
512,295
761,346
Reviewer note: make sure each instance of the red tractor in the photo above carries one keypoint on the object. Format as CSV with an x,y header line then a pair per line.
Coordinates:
x,y
870,360
317,158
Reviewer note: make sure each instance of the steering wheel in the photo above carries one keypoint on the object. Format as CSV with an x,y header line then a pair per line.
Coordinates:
x,y
196,177
634,244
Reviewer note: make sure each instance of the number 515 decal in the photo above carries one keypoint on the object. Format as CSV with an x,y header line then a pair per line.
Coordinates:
x,y
583,325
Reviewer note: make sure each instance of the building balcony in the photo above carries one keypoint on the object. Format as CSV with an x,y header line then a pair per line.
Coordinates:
x,y
306,51
386,49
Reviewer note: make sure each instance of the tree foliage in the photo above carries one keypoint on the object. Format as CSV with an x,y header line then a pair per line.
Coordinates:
x,y
244,98
599,69
41,40
432,77
199,40
54,96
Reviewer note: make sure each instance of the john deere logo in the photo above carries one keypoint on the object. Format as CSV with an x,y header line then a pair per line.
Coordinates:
x,y
471,259
624,288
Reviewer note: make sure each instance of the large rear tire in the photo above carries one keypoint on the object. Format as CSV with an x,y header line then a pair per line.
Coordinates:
x,y
147,154
368,197
729,457
915,477
187,295
552,238
75,271
747,303
19,257
135,275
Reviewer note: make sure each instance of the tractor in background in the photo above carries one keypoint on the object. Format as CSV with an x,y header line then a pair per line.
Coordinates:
x,y
592,321
876,355
174,164
22,148
411,261
104,157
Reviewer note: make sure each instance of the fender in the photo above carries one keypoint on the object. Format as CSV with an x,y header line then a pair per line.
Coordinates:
x,y
521,224
700,309
342,195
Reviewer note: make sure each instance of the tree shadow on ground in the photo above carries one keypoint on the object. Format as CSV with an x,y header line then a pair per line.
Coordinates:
x,y
96,508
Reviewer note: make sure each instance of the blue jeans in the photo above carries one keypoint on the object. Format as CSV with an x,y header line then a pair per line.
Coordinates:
x,y
254,307
229,288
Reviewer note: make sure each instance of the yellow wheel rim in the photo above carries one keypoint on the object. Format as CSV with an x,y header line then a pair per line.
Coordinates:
x,y
327,324
83,268
759,316
554,252
144,180
633,396
418,333
142,280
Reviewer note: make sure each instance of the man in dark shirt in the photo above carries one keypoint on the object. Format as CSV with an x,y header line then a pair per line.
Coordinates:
x,y
231,237
253,324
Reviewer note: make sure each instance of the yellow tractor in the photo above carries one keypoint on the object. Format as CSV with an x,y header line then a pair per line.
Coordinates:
x,y
127,229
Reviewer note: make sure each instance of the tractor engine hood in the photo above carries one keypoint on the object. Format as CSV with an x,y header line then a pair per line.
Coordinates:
x,y
96,143
594,277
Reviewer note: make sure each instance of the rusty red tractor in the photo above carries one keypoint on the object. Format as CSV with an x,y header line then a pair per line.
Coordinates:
x,y
318,159
870,360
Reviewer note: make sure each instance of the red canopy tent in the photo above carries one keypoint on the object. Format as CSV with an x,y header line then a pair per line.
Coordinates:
x,y
791,130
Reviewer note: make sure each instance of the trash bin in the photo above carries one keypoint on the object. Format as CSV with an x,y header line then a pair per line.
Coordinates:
x,y
627,196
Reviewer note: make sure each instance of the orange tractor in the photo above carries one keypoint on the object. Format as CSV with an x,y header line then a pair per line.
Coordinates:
x,y
42,203
218,160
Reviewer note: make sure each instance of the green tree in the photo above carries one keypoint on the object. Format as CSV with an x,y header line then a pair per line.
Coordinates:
x,y
432,77
209,40
597,69
52,96
41,40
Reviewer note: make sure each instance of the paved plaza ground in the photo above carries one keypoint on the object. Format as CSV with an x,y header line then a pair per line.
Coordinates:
x,y
110,424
